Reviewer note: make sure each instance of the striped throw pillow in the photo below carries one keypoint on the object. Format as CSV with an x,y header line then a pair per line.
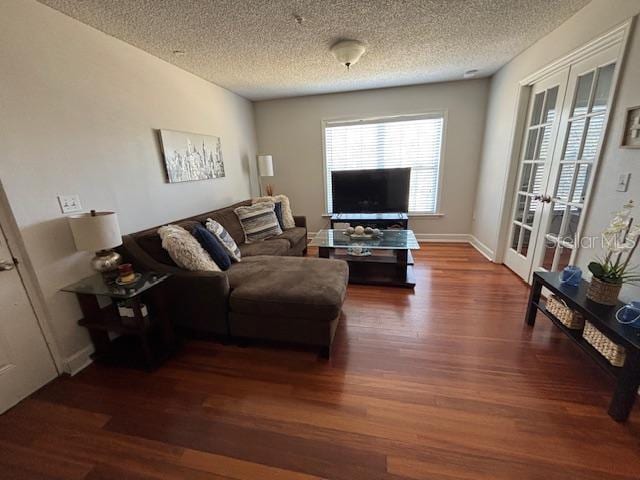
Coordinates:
x,y
258,221
226,240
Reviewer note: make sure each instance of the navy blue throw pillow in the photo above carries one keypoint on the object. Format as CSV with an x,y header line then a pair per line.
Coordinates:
x,y
212,245
277,208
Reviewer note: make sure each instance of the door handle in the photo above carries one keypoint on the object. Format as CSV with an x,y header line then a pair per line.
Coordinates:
x,y
543,198
4,266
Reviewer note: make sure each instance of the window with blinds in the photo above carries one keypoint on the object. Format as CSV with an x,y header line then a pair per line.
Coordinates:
x,y
392,142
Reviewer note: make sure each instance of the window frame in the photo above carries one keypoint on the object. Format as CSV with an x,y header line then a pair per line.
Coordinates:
x,y
356,119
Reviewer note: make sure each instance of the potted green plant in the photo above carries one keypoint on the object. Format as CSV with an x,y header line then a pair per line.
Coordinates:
x,y
620,240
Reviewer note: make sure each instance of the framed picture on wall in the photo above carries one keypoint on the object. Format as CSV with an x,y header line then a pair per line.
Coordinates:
x,y
191,156
631,133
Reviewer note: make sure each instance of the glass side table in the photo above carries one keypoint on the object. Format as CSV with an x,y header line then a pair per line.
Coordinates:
x,y
138,313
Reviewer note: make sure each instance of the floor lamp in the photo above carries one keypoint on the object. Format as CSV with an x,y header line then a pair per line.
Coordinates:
x,y
265,169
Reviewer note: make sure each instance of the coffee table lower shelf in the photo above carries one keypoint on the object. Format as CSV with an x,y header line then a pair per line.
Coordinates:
x,y
380,270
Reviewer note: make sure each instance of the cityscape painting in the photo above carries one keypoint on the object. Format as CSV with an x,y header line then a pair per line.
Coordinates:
x,y
191,156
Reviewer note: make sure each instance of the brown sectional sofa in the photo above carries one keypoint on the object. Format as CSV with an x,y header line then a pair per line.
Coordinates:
x,y
272,294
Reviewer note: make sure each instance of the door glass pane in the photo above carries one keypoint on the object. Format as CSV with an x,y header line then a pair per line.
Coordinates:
x,y
605,76
549,252
526,239
531,144
529,213
525,176
537,108
574,139
555,222
522,200
543,143
571,225
563,188
582,94
550,106
516,237
564,257
592,139
538,172
582,180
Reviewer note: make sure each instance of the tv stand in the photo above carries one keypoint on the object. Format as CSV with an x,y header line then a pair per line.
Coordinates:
x,y
382,221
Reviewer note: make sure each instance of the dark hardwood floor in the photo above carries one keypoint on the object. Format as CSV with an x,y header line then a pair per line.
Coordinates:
x,y
444,383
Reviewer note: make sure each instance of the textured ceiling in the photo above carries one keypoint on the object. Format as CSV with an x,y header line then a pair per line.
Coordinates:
x,y
257,49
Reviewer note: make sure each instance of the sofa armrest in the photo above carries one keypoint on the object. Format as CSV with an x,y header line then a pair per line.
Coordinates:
x,y
300,221
197,300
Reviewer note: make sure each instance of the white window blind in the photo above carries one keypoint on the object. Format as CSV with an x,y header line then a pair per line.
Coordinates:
x,y
392,142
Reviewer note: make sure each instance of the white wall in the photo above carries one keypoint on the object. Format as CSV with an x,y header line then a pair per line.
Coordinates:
x,y
290,130
79,114
595,18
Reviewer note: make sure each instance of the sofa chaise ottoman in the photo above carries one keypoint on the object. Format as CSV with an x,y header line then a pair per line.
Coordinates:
x,y
287,299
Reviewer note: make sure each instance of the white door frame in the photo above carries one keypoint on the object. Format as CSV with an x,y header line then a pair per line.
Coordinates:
x,y
619,34
28,277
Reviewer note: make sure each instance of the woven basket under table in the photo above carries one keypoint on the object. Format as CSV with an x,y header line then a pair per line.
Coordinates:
x,y
613,352
569,318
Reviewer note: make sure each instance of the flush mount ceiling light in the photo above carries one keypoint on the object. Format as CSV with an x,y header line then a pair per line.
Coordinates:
x,y
348,52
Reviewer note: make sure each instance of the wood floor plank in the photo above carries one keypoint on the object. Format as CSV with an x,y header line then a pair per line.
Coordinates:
x,y
238,469
444,382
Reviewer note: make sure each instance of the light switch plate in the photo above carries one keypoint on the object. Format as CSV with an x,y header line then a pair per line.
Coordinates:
x,y
623,182
69,203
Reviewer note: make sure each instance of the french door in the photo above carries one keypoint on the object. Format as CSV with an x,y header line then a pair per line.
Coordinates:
x,y
562,139
540,135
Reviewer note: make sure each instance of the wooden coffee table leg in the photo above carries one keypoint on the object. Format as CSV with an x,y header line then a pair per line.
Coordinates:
x,y
324,252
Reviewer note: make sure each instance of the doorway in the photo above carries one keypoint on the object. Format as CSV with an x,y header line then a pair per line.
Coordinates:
x,y
26,363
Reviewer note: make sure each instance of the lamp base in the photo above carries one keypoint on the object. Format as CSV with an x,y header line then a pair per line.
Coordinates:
x,y
106,262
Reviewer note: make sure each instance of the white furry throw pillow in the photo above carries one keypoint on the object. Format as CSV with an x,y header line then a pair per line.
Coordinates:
x,y
185,250
287,214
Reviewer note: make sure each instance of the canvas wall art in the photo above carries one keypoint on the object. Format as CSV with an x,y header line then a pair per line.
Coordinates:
x,y
191,156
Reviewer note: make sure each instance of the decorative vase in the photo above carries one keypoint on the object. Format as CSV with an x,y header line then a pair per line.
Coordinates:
x,y
603,292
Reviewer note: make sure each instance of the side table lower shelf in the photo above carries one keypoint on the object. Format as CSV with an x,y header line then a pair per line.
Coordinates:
x,y
128,351
139,345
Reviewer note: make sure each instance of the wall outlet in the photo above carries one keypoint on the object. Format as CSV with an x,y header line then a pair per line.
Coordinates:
x,y
69,203
623,182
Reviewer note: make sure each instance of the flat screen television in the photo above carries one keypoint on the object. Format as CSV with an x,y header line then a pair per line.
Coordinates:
x,y
383,190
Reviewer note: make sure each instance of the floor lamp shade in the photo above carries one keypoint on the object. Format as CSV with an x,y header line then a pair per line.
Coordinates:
x,y
95,231
265,165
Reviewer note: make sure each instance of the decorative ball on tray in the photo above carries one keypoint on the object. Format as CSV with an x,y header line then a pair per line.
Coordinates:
x,y
360,232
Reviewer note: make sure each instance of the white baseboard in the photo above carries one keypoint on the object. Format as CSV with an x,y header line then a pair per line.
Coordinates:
x,y
79,360
482,248
443,237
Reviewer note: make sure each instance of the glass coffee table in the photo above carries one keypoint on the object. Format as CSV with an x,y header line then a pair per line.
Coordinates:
x,y
385,260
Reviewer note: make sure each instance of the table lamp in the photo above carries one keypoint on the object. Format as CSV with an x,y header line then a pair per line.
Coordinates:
x,y
265,169
98,232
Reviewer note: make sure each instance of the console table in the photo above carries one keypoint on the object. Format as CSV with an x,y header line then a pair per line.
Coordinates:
x,y
373,220
604,319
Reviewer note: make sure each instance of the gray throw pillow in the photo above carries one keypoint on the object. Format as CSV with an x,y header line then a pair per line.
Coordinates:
x,y
258,221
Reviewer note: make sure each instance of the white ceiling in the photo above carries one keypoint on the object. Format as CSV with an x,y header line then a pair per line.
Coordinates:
x,y
258,50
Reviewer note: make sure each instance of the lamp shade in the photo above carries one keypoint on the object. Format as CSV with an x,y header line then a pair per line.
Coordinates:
x,y
95,231
265,165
